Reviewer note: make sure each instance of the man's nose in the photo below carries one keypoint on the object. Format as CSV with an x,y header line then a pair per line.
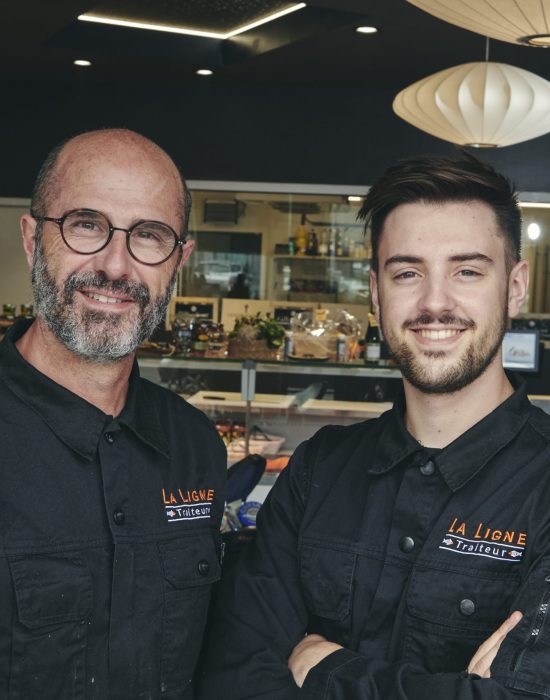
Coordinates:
x,y
436,296
115,260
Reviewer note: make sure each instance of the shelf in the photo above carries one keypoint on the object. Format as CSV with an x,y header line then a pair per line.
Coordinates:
x,y
336,258
349,369
232,399
357,409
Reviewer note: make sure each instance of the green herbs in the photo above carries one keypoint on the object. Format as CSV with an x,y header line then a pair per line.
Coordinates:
x,y
257,328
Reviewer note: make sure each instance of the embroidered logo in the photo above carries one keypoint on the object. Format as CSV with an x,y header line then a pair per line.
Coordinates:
x,y
484,541
187,504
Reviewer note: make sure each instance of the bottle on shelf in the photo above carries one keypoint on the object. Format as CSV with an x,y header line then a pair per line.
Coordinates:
x,y
339,250
301,237
27,311
288,347
182,333
342,348
200,338
332,243
312,243
345,246
323,243
286,278
7,317
373,340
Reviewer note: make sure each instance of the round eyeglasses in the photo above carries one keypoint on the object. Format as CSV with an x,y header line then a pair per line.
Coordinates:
x,y
86,231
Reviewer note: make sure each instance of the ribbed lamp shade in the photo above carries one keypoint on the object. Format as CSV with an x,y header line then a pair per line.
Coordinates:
x,y
478,104
516,21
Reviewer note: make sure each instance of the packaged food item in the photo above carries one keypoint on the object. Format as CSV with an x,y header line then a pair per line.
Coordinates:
x,y
216,345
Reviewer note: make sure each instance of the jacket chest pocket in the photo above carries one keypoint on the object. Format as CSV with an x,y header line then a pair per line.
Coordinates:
x,y
191,565
53,595
450,612
327,582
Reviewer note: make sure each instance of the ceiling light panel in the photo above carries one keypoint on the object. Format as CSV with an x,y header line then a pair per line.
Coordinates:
x,y
215,19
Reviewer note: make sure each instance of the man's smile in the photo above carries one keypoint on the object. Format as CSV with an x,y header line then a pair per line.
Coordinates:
x,y
438,334
95,296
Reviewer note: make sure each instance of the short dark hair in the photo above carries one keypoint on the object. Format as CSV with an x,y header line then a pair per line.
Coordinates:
x,y
46,183
433,179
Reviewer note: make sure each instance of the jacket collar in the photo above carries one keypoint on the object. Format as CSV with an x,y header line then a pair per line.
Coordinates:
x,y
462,459
76,422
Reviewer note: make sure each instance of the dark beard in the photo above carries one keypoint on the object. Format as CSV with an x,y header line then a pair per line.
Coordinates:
x,y
468,368
95,335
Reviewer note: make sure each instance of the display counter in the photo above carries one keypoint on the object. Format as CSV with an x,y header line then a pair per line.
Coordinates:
x,y
292,399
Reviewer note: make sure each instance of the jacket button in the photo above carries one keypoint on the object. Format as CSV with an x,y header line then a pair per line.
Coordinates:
x,y
406,544
109,437
467,607
427,469
203,567
119,517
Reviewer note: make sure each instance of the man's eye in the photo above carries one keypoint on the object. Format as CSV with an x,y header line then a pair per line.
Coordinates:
x,y
406,275
89,225
469,273
84,225
146,235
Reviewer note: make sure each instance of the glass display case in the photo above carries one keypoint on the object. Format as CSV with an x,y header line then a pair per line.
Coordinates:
x,y
269,241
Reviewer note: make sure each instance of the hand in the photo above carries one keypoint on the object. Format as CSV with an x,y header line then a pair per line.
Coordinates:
x,y
308,653
485,655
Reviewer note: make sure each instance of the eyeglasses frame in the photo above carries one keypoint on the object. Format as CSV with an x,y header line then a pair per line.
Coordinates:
x,y
178,240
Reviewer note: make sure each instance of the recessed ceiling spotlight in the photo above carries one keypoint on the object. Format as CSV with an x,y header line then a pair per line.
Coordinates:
x,y
366,30
354,198
82,62
205,71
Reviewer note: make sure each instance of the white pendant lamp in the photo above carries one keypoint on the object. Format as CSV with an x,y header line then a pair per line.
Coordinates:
x,y
478,104
516,21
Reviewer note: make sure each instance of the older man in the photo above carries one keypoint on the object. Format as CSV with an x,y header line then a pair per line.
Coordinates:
x,y
112,488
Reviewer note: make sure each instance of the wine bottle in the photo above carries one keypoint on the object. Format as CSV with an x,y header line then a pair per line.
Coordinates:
x,y
372,340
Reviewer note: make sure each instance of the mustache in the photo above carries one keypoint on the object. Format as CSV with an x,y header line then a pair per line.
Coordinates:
x,y
445,319
137,291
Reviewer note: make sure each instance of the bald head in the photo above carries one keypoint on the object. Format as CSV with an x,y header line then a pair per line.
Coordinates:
x,y
119,146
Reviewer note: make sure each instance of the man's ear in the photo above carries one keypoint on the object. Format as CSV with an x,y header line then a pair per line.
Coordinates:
x,y
374,294
518,286
28,233
185,253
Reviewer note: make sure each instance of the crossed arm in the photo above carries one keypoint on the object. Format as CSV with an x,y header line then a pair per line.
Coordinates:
x,y
314,648
257,648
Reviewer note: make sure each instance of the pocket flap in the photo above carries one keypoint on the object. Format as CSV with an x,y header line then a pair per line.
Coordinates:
x,y
327,579
191,561
51,589
473,600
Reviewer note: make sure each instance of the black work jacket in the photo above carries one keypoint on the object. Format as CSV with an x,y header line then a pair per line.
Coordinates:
x,y
409,558
108,539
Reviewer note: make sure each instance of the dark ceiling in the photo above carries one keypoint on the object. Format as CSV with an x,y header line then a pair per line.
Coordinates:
x,y
302,99
315,45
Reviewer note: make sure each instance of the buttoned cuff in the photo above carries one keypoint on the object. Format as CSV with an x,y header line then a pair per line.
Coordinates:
x,y
317,682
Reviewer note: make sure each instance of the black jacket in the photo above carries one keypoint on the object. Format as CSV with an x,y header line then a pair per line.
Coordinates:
x,y
108,539
408,557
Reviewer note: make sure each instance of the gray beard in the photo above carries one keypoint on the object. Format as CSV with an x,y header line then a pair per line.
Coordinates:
x,y
96,336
